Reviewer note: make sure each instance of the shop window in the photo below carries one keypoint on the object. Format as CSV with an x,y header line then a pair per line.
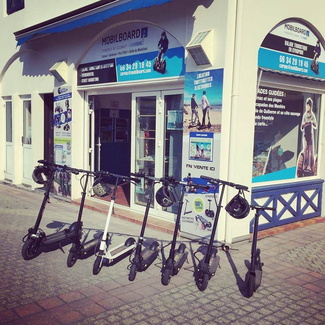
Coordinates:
x,y
15,5
286,134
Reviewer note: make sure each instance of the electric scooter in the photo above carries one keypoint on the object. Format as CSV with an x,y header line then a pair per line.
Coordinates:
x,y
36,240
253,276
83,250
177,257
204,222
107,256
143,258
208,265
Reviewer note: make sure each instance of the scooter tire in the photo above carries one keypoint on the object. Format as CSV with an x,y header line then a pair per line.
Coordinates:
x,y
97,265
166,276
72,259
154,246
129,242
202,280
30,249
250,284
133,272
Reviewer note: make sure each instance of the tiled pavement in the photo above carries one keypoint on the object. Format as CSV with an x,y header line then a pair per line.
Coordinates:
x,y
45,291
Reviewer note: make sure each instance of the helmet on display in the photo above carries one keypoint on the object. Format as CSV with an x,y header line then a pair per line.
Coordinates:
x,y
40,174
165,197
101,189
238,207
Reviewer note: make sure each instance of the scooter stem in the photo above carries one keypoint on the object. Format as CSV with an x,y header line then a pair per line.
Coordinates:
x,y
109,215
254,243
214,227
45,199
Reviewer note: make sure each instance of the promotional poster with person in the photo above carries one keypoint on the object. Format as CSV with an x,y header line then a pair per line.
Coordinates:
x,y
201,146
286,134
133,51
62,121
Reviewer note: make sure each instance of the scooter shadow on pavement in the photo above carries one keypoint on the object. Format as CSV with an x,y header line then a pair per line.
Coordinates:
x,y
59,226
239,280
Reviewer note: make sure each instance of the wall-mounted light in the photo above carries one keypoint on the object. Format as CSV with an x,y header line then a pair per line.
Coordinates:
x,y
60,71
201,48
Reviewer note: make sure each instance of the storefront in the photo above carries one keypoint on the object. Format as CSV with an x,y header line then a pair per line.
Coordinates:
x,y
113,90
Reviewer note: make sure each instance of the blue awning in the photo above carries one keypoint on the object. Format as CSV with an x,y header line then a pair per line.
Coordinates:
x,y
83,19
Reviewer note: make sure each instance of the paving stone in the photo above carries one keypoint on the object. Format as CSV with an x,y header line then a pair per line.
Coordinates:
x,y
45,291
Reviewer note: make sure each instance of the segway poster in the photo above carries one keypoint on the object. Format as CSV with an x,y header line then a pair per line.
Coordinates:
x,y
201,146
62,121
294,49
134,51
286,134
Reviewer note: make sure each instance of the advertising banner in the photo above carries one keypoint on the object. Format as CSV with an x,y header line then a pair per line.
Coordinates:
x,y
135,51
293,49
62,137
286,134
201,146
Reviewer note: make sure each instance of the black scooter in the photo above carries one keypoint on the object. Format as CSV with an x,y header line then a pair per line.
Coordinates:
x,y
253,276
143,258
36,240
208,265
83,250
177,257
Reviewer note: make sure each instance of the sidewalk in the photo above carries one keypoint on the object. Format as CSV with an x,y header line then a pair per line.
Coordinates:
x,y
45,291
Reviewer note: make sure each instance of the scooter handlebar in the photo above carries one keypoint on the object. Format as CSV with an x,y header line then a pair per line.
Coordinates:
x,y
217,181
260,207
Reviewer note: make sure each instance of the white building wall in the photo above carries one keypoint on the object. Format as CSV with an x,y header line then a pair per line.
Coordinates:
x,y
239,25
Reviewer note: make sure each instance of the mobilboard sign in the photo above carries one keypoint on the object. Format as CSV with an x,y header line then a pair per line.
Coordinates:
x,y
292,48
132,52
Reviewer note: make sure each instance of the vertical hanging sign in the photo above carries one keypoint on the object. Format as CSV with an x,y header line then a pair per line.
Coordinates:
x,y
201,146
62,120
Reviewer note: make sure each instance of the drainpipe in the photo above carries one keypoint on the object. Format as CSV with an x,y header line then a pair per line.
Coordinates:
x,y
235,9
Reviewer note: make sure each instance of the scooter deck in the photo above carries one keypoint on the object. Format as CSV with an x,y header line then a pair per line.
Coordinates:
x,y
214,263
179,259
120,249
148,256
56,237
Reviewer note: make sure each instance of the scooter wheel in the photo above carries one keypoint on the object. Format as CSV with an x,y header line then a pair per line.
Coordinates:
x,y
154,246
97,265
72,259
250,284
165,277
129,242
30,249
202,280
181,248
133,272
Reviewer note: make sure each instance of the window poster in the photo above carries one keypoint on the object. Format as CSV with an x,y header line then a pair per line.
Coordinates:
x,y
201,146
293,48
62,121
286,134
133,51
